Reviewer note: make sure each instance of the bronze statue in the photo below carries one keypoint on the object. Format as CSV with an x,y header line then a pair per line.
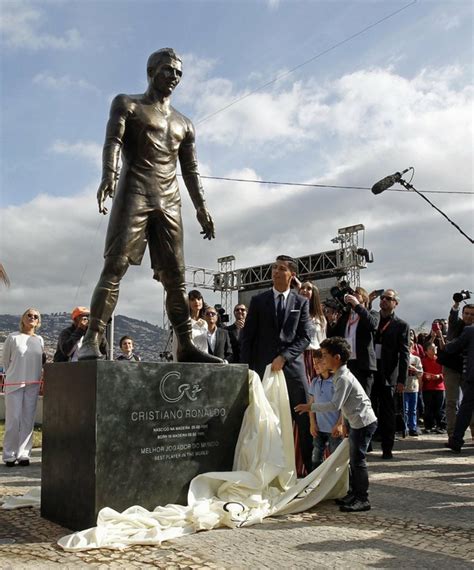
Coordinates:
x,y
151,135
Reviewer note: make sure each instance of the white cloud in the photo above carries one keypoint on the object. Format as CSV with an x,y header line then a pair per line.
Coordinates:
x,y
88,150
374,105
196,71
62,82
22,25
449,22
273,4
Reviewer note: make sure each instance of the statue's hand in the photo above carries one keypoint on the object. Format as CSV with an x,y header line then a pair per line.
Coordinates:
x,y
207,224
106,190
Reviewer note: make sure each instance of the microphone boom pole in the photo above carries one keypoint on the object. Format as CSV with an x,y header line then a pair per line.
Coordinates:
x,y
408,186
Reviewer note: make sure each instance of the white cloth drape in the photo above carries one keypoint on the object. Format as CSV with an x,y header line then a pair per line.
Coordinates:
x,y
263,482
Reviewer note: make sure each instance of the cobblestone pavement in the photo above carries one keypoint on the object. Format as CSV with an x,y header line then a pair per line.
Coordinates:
x,y
422,517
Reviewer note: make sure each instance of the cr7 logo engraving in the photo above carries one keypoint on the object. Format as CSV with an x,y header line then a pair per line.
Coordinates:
x,y
172,391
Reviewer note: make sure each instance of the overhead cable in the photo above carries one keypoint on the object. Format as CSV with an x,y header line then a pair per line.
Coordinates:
x,y
337,187
317,56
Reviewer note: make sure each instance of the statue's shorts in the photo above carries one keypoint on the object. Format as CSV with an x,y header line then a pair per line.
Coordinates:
x,y
136,220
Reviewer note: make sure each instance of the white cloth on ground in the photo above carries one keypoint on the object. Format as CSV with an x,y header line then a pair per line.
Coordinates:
x,y
263,482
30,499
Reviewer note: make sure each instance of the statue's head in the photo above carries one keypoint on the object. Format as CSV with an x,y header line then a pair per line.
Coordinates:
x,y
157,57
164,70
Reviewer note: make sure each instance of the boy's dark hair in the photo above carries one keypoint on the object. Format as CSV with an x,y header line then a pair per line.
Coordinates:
x,y
292,263
317,353
337,345
125,338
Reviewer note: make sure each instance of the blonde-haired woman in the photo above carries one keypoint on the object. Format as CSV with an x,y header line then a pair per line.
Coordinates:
x,y
317,325
23,357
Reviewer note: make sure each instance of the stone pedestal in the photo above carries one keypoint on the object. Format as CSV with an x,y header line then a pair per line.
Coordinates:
x,y
118,434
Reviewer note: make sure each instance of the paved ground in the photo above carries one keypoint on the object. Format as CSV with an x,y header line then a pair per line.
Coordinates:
x,y
422,517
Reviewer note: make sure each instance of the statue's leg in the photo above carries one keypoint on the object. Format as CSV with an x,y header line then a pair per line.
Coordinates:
x,y
178,313
103,303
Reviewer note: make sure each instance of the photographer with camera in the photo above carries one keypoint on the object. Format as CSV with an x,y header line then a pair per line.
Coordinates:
x,y
455,323
465,344
453,362
437,335
358,325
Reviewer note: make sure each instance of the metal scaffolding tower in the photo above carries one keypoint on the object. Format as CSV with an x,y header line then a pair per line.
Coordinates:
x,y
224,281
351,260
347,261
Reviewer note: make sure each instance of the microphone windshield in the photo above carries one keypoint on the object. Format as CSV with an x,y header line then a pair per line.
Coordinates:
x,y
385,183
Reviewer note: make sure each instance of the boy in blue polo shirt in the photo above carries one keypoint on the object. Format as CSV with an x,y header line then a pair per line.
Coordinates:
x,y
326,427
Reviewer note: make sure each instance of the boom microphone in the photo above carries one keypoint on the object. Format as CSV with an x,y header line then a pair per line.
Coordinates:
x,y
387,182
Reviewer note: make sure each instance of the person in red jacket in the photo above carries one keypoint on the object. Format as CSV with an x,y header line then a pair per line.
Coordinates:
x,y
433,391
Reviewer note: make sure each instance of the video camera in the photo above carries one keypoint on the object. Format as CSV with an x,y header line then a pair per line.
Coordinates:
x,y
223,316
339,291
463,295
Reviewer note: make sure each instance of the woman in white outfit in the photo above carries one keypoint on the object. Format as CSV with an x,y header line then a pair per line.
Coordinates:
x,y
196,309
23,358
317,325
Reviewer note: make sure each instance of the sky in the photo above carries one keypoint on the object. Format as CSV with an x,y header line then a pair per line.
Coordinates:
x,y
378,86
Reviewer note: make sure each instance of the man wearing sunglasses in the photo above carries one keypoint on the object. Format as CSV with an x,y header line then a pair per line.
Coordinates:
x,y
234,330
393,356
218,342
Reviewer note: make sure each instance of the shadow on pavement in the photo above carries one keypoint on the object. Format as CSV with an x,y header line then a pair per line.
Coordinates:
x,y
397,556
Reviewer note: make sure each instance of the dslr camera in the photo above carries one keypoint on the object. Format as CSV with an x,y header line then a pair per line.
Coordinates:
x,y
339,291
463,295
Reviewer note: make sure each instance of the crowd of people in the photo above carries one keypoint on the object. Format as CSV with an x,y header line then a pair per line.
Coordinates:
x,y
351,370
384,378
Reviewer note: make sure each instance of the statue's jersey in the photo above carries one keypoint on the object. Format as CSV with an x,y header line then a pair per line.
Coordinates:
x,y
151,143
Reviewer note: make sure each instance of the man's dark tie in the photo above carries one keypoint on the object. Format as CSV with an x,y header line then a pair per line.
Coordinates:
x,y
280,310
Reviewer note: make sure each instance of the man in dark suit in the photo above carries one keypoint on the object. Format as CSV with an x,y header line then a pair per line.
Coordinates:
x,y
218,341
465,345
276,332
235,329
393,356
358,326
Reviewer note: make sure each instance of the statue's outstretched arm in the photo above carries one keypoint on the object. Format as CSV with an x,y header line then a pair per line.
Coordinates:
x,y
111,152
